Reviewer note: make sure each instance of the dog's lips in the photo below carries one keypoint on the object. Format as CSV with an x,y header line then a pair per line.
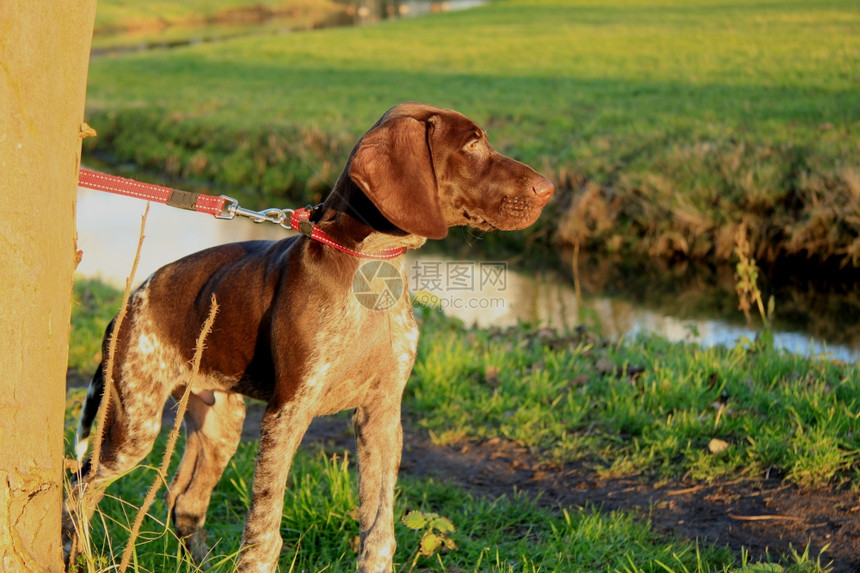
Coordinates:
x,y
514,213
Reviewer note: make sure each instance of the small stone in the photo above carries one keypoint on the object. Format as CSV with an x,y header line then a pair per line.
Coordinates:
x,y
716,446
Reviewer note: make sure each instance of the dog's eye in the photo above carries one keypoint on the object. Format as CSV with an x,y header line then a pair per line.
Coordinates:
x,y
473,145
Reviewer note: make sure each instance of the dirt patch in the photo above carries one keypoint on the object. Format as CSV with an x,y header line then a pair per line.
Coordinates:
x,y
762,516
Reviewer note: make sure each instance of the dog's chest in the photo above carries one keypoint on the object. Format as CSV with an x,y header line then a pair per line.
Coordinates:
x,y
372,353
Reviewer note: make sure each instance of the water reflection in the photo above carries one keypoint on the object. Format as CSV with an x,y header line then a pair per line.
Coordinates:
x,y
360,12
810,303
479,292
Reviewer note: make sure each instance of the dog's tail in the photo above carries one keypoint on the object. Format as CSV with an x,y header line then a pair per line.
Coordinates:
x,y
88,413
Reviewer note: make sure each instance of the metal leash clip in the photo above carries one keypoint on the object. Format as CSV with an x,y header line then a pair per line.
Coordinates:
x,y
278,216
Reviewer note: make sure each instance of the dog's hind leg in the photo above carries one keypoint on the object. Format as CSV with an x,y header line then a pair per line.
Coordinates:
x,y
132,424
213,426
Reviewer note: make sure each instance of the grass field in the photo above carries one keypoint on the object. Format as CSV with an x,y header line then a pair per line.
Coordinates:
x,y
667,126
636,407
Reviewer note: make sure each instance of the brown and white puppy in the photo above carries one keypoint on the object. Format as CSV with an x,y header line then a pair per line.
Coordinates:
x,y
291,332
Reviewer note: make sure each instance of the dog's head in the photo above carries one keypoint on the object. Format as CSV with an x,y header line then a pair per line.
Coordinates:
x,y
426,169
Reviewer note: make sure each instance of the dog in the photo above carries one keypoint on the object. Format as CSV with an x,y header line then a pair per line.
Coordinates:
x,y
291,331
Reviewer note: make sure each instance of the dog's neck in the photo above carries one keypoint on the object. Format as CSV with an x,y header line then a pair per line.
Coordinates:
x,y
349,217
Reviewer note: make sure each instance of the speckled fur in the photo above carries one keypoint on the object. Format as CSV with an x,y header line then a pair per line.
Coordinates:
x,y
291,332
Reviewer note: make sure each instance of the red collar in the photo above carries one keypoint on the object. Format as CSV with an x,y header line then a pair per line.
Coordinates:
x,y
300,221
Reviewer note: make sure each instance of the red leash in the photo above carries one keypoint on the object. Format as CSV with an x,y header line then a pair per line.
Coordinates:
x,y
222,207
151,192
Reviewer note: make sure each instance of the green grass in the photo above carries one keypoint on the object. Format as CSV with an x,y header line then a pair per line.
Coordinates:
x,y
666,125
566,397
504,535
570,397
319,525
94,305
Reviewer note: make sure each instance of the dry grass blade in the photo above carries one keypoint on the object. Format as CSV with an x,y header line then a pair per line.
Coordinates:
x,y
765,517
109,360
108,386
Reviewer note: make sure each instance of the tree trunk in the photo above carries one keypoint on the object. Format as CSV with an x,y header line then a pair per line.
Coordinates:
x,y
44,55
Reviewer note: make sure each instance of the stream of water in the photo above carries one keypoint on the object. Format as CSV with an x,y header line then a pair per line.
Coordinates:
x,y
480,291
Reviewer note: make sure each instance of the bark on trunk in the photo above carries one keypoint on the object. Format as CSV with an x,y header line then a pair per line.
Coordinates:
x,y
44,55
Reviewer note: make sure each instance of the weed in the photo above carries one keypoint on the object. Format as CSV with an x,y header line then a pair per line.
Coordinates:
x,y
437,534
94,305
746,273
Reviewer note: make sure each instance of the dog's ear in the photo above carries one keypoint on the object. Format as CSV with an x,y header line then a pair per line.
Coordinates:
x,y
393,165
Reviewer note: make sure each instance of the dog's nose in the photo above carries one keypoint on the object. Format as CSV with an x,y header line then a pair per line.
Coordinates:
x,y
543,189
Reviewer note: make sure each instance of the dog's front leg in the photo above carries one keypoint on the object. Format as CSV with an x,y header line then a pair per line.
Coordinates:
x,y
282,429
379,437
